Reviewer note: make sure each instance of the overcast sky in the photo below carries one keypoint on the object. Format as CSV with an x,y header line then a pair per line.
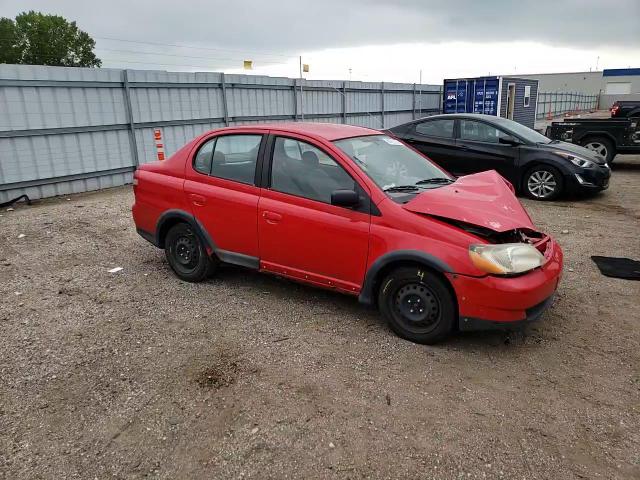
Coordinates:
x,y
390,40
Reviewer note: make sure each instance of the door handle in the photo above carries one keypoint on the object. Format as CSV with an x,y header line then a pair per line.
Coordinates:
x,y
271,217
464,148
197,200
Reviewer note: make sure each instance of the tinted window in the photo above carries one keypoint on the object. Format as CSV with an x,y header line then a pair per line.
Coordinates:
x,y
234,157
305,171
202,162
520,130
436,128
480,132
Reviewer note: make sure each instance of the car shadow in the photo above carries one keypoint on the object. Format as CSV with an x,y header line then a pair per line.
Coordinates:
x,y
297,294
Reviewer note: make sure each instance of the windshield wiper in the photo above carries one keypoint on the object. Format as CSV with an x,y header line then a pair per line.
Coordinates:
x,y
402,188
435,180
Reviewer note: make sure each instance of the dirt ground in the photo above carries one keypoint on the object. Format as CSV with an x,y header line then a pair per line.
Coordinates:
x,y
136,374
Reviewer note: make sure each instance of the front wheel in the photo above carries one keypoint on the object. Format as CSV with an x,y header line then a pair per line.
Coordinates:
x,y
543,182
186,254
417,304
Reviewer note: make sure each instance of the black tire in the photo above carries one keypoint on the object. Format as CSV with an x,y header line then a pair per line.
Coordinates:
x,y
602,146
539,179
186,254
418,304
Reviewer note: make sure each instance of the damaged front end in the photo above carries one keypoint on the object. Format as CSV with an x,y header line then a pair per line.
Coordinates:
x,y
516,235
506,253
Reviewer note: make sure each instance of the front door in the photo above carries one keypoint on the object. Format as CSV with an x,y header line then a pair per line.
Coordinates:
x,y
481,149
511,100
301,234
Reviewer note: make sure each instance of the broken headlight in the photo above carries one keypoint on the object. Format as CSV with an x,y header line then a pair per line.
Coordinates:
x,y
505,258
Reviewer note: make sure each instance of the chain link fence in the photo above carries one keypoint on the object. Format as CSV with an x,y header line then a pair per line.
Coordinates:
x,y
554,104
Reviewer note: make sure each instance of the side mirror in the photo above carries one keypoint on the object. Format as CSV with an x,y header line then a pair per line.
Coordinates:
x,y
344,198
511,141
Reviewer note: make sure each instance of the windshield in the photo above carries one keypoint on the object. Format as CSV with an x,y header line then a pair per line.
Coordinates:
x,y
520,130
392,165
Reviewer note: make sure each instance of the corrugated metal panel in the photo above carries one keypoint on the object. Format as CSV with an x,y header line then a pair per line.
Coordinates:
x,y
63,125
371,121
47,156
393,119
174,137
69,187
23,108
151,104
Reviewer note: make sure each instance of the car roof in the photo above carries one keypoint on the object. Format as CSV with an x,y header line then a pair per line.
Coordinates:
x,y
476,116
327,131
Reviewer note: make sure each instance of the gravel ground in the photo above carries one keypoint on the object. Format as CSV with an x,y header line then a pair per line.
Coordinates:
x,y
136,374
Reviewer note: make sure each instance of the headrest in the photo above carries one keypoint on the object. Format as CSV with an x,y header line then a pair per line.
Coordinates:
x,y
219,158
310,158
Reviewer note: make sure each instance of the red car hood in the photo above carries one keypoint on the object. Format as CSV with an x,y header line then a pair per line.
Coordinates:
x,y
482,199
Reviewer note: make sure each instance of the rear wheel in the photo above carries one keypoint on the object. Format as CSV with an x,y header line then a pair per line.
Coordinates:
x,y
417,304
602,146
543,182
186,254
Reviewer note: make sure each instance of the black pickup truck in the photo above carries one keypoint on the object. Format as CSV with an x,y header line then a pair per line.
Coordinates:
x,y
605,136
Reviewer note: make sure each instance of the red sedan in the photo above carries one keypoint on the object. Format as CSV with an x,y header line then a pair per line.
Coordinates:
x,y
351,209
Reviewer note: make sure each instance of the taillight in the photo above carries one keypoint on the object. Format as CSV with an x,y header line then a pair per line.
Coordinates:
x,y
614,110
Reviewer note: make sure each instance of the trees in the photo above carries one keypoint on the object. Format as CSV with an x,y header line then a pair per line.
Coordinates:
x,y
38,39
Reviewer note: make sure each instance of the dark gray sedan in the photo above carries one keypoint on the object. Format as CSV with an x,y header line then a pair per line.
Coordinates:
x,y
538,167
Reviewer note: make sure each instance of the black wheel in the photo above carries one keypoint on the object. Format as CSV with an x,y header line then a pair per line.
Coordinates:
x,y
417,304
543,182
602,146
186,254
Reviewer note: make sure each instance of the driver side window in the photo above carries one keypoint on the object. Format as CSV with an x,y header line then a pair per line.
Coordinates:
x,y
300,169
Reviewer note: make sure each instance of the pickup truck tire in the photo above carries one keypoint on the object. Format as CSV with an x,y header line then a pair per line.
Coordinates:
x,y
602,146
187,255
417,304
542,182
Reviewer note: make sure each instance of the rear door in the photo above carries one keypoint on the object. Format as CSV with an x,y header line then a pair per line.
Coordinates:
x,y
480,149
435,139
220,185
301,234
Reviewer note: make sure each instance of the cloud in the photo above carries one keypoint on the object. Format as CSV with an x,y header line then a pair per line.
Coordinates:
x,y
291,26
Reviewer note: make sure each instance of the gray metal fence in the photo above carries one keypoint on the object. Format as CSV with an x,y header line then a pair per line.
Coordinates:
x,y
68,130
553,104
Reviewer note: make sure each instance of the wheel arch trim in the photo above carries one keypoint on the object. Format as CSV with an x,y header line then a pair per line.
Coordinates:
x,y
594,134
367,293
175,214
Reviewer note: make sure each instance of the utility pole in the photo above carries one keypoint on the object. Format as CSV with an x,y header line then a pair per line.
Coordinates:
x,y
420,96
301,93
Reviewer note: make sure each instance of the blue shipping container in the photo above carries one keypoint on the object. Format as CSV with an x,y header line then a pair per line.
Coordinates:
x,y
507,97
477,95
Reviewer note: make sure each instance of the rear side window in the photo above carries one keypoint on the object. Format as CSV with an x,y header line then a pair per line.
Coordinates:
x,y
202,162
232,157
480,132
436,128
